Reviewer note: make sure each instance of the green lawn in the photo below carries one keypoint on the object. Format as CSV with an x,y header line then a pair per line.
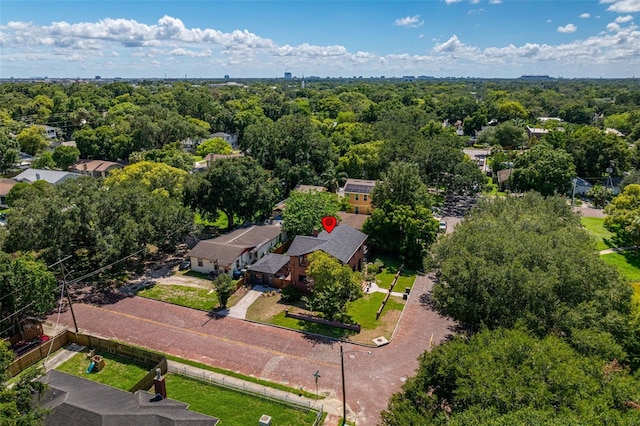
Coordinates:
x,y
385,277
310,327
190,297
626,262
220,222
231,407
363,311
603,237
119,372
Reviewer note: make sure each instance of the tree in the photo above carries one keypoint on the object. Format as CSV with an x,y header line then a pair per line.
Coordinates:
x,y
633,231
402,231
600,195
594,152
333,179
304,211
401,185
170,154
507,135
543,169
28,289
28,192
16,403
32,140
334,286
9,151
158,178
507,377
513,261
224,287
622,211
65,156
45,161
235,186
213,146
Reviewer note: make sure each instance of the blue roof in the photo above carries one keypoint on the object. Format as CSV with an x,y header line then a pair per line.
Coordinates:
x,y
51,176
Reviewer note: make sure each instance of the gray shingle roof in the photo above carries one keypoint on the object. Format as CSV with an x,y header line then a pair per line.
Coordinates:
x,y
77,401
342,243
359,186
51,176
270,264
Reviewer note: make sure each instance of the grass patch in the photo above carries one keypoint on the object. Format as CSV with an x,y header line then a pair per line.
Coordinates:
x,y
363,311
595,226
385,277
627,263
119,372
195,274
190,297
231,407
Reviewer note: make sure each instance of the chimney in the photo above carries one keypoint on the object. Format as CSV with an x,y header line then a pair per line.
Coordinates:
x,y
159,385
314,232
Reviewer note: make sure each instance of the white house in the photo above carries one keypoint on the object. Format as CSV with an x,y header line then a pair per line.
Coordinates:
x,y
235,250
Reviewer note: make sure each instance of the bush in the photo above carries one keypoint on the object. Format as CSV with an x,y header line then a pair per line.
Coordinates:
x,y
291,294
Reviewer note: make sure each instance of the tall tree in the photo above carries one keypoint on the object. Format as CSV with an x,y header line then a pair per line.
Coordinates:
x,y
156,177
32,140
513,261
543,169
65,156
213,146
235,186
304,211
334,286
401,185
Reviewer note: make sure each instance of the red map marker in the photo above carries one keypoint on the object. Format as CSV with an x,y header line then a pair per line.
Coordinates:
x,y
328,223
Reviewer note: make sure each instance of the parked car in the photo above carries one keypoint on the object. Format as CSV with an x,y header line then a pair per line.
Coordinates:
x,y
443,226
185,265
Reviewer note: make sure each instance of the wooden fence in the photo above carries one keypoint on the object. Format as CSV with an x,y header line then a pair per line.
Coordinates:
x,y
386,298
147,381
30,332
139,355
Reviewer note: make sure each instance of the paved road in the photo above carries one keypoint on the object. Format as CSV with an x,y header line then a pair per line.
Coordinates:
x,y
272,353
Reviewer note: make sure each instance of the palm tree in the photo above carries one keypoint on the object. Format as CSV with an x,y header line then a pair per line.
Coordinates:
x,y
333,179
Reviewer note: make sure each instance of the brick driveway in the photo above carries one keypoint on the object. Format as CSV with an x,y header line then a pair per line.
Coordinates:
x,y
272,353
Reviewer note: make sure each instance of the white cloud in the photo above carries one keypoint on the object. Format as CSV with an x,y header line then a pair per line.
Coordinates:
x,y
475,11
421,36
495,1
191,53
452,1
549,21
585,15
409,21
624,19
474,1
612,26
569,28
623,6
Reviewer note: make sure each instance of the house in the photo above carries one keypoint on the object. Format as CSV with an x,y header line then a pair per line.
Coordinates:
x,y
545,119
504,178
73,400
95,168
235,250
344,243
272,270
210,158
52,176
276,212
190,145
614,132
5,187
536,132
580,186
50,132
357,192
232,140
25,160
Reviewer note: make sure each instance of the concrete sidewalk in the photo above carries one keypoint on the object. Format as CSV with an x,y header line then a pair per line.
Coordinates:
x,y
239,310
332,406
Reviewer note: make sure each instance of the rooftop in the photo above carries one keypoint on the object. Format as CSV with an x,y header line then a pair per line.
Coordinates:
x,y
270,264
359,186
341,243
51,176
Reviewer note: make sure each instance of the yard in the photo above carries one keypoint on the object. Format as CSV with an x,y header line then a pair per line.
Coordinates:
x,y
595,226
231,407
363,311
385,277
119,372
191,297
627,263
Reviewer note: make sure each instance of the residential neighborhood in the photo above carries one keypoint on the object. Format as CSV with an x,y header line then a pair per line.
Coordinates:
x,y
280,254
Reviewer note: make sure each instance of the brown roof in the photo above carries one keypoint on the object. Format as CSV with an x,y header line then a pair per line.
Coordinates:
x,y
353,220
504,175
94,166
227,248
214,157
309,188
6,185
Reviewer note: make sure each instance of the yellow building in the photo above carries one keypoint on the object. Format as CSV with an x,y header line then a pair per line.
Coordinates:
x,y
358,194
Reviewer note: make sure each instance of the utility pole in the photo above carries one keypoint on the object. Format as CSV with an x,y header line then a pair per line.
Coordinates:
x,y
66,291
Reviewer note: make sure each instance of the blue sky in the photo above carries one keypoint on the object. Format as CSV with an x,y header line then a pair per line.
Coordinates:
x,y
208,39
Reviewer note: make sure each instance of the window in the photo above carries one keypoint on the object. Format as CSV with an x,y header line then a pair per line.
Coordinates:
x,y
200,263
364,197
301,260
357,210
302,278
258,277
357,197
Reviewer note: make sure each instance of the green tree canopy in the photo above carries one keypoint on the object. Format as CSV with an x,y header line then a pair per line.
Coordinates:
x,y
401,185
515,261
544,169
45,161
507,377
213,146
65,156
32,140
236,186
304,211
158,178
334,286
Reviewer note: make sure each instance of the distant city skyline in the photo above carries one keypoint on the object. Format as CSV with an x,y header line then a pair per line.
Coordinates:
x,y
265,39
